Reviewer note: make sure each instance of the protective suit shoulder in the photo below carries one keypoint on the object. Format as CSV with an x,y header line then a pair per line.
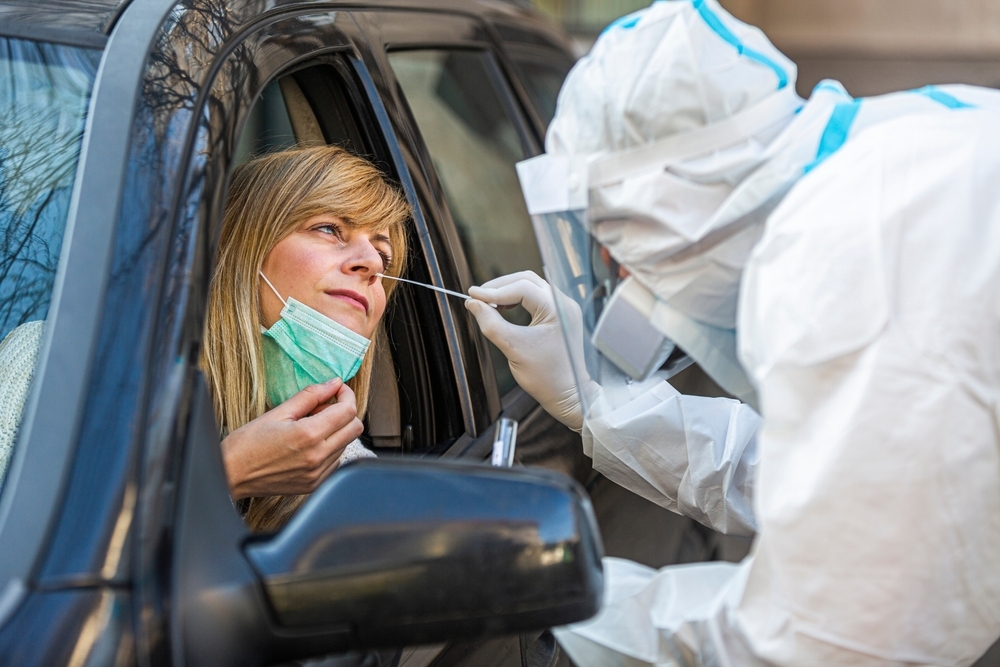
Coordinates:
x,y
869,314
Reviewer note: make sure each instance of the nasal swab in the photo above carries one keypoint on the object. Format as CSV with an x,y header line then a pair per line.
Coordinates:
x,y
433,287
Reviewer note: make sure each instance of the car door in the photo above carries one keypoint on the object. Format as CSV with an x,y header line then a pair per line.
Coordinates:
x,y
310,67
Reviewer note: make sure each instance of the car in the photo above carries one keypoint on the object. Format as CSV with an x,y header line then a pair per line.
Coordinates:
x,y
118,541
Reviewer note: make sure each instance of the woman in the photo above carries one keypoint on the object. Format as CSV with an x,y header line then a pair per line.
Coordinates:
x,y
294,301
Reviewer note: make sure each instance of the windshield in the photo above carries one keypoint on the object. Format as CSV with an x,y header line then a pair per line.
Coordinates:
x,y
44,92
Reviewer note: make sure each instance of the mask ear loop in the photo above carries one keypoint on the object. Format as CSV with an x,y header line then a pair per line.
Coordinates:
x,y
283,302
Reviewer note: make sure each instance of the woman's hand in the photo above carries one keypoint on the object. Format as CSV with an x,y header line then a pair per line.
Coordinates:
x,y
291,449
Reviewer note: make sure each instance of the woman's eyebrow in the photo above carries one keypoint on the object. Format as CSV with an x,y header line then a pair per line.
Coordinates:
x,y
382,238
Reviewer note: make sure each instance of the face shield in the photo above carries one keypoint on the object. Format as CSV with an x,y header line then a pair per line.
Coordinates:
x,y
607,318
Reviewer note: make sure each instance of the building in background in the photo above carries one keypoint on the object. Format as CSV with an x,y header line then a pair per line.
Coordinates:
x,y
584,19
872,46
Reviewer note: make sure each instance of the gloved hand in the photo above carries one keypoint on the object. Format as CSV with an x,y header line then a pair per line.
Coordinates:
x,y
536,353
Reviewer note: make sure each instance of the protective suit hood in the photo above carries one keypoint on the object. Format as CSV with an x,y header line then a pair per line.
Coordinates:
x,y
672,143
663,71
687,84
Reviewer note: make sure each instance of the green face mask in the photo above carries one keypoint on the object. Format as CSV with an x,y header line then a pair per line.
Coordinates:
x,y
305,347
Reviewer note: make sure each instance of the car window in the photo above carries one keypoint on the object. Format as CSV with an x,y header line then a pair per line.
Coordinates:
x,y
43,104
459,104
268,126
543,79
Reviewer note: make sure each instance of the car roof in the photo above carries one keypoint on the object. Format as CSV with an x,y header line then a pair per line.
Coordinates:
x,y
89,22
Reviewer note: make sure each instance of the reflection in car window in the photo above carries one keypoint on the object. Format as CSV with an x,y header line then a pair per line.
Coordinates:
x,y
544,79
474,145
268,128
44,90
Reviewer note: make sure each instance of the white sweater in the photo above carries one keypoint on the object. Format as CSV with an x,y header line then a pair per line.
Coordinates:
x,y
18,357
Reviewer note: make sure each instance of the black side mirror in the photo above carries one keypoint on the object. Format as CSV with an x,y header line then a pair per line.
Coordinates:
x,y
415,552
386,553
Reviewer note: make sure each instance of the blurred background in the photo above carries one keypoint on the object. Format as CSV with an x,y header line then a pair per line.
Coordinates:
x,y
871,46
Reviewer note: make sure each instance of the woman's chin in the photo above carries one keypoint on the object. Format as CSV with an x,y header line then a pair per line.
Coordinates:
x,y
351,318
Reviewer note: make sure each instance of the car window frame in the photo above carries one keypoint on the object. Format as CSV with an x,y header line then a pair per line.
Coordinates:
x,y
518,54
455,31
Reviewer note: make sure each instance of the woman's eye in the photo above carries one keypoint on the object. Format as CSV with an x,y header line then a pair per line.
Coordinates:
x,y
332,230
386,260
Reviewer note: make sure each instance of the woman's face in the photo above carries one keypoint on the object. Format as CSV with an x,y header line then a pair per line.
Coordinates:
x,y
330,268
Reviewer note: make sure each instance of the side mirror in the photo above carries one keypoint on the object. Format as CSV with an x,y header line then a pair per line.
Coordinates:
x,y
385,553
415,552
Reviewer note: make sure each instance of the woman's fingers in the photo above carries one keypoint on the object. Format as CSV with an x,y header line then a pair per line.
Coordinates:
x,y
345,396
309,399
295,446
337,443
328,452
335,425
333,417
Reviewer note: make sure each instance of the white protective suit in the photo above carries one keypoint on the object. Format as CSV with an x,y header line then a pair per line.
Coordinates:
x,y
870,323
713,440
871,344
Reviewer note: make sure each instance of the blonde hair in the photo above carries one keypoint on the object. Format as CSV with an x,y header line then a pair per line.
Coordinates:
x,y
269,197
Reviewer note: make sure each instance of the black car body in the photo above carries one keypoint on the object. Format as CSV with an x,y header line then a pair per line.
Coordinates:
x,y
114,508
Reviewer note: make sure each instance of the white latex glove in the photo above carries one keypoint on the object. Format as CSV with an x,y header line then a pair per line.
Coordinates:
x,y
536,353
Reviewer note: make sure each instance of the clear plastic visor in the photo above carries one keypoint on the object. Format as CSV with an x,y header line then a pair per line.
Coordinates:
x,y
604,314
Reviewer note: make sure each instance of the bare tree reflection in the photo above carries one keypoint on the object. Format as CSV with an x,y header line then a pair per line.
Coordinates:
x,y
43,105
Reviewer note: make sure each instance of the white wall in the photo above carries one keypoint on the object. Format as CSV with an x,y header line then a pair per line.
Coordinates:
x,y
951,28
875,46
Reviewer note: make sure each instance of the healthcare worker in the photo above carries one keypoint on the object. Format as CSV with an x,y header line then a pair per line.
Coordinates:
x,y
854,247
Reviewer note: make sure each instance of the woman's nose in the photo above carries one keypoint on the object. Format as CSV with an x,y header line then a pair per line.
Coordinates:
x,y
364,259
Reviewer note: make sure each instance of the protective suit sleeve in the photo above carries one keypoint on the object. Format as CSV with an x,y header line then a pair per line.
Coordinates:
x,y
693,455
650,618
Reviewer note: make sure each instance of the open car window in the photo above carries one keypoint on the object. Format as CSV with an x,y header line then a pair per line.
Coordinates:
x,y
43,108
412,400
